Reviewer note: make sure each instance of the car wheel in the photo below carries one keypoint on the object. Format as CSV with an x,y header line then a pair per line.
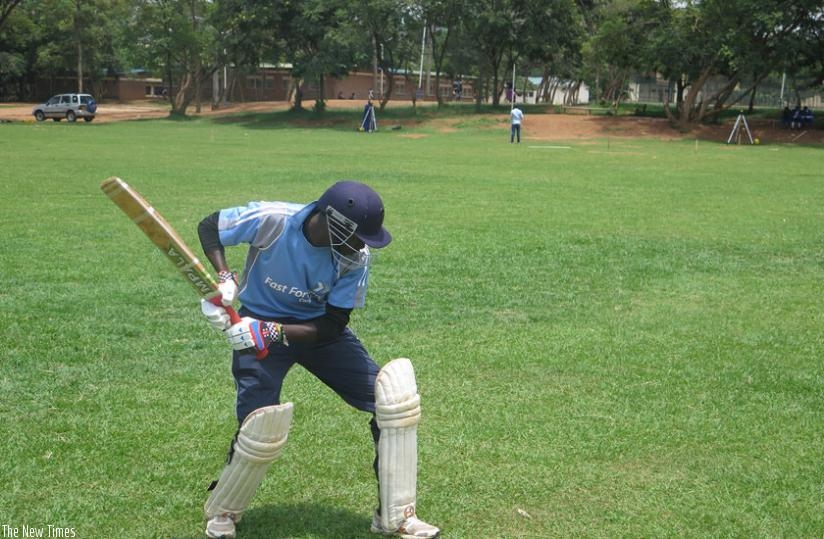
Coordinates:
x,y
71,116
39,116
88,119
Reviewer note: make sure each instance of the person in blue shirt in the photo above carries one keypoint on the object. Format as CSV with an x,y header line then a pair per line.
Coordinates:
x,y
807,117
306,269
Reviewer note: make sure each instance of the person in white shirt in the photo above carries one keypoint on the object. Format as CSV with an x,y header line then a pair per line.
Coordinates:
x,y
516,117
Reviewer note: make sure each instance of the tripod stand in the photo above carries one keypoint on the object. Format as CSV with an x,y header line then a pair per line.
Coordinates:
x,y
736,129
369,123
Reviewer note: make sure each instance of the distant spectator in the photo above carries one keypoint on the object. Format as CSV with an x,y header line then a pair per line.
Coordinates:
x,y
796,121
352,96
340,95
786,117
806,117
516,117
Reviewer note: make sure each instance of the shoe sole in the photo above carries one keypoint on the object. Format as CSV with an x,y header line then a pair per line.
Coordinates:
x,y
380,531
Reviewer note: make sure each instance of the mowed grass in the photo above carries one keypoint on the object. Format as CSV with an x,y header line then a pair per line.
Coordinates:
x,y
622,338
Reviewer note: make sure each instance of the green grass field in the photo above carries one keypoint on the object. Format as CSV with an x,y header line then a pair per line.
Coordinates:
x,y
622,338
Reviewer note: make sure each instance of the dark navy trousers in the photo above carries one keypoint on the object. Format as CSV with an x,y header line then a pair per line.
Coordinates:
x,y
343,364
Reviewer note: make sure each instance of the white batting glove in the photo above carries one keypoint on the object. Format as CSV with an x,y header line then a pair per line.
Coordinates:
x,y
252,333
227,285
217,316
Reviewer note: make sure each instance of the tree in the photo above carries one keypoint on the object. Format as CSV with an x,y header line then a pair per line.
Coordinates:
x,y
247,33
319,44
51,39
730,40
93,44
441,18
18,45
386,24
6,7
551,40
175,37
616,50
492,25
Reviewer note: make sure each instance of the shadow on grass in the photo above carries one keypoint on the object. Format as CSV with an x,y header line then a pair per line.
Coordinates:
x,y
351,119
281,521
339,120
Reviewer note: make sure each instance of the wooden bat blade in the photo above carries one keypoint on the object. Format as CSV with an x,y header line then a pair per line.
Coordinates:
x,y
169,242
161,233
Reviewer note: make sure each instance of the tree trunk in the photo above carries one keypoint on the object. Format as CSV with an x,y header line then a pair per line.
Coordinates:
x,y
198,104
497,85
298,94
544,88
181,98
387,95
320,103
80,68
437,58
687,114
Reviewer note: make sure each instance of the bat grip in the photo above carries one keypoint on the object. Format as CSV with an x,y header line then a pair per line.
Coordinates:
x,y
234,318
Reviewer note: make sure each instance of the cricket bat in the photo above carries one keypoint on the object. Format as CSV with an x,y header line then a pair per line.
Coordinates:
x,y
161,233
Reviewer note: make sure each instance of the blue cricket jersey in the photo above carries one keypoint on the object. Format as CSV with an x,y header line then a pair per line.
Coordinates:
x,y
285,276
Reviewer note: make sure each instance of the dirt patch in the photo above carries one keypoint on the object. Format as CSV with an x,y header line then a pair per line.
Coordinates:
x,y
572,127
537,127
138,110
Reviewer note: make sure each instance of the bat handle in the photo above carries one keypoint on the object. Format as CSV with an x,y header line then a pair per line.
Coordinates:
x,y
234,318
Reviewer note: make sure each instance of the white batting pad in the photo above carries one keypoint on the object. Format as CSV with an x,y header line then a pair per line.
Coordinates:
x,y
398,411
260,441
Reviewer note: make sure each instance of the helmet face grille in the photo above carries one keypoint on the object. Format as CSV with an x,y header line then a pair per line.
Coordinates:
x,y
341,229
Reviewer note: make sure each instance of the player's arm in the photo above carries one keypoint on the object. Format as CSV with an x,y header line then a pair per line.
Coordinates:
x,y
207,231
320,329
261,334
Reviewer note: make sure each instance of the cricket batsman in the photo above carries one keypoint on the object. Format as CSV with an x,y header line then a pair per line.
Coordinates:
x,y
306,269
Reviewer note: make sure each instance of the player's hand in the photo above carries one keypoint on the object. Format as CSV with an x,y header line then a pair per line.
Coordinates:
x,y
252,333
227,285
217,316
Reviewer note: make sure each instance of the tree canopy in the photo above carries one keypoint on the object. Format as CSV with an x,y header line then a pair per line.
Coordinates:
x,y
604,43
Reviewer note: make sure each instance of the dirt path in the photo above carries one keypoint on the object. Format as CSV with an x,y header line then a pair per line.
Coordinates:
x,y
536,126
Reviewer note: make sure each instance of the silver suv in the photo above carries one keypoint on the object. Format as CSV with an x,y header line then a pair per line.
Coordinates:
x,y
68,106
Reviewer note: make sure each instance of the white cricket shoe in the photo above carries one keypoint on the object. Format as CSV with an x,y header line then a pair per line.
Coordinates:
x,y
411,528
221,527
